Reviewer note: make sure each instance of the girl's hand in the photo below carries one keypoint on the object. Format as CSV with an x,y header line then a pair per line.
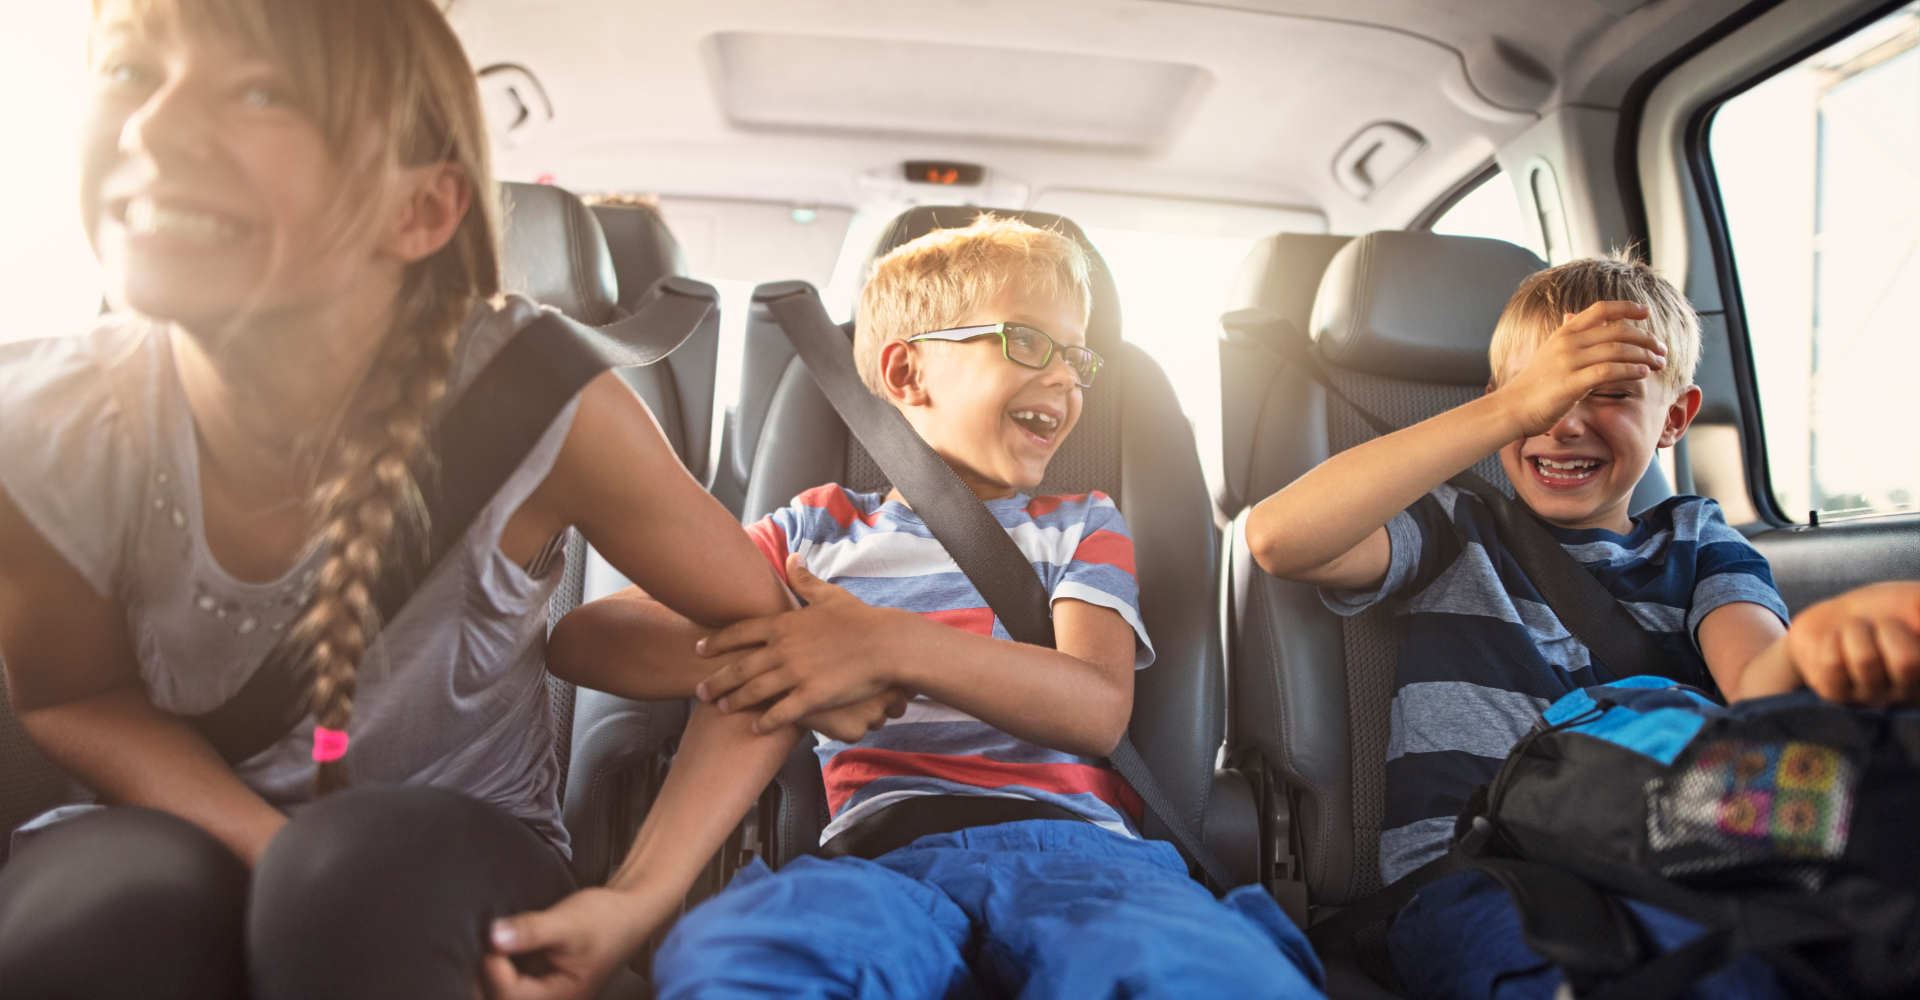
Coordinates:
x,y
1591,348
851,723
830,654
1861,647
569,951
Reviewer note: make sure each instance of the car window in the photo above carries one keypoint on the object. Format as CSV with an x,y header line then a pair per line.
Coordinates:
x,y
1489,210
1818,169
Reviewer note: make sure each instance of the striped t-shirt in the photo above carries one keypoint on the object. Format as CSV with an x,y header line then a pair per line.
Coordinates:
x,y
883,554
1481,655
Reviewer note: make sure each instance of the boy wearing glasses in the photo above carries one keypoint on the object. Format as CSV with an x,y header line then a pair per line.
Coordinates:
x,y
978,841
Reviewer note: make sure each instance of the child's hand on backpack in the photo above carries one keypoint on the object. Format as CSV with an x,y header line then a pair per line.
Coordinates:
x,y
1597,345
834,652
1862,647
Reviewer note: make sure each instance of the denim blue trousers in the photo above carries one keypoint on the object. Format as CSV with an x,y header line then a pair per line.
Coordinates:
x,y
1035,909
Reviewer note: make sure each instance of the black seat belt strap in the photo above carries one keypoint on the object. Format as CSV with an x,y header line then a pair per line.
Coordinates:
x,y
979,545
1582,604
480,441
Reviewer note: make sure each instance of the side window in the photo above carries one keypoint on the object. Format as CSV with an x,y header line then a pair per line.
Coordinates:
x,y
1489,210
1818,169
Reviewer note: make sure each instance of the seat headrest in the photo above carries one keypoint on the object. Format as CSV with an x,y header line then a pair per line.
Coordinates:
x,y
1417,306
1281,274
554,253
643,249
1103,322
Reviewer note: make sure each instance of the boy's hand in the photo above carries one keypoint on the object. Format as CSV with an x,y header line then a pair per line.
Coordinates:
x,y
1592,348
832,653
568,951
1861,647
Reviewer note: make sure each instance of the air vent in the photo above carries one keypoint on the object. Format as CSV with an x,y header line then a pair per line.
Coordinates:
x,y
1372,158
932,88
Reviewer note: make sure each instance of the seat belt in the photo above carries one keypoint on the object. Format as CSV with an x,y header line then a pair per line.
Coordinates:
x,y
1583,605
480,442
982,549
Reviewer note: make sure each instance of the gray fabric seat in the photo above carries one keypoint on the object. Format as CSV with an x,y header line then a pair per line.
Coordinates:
x,y
1401,321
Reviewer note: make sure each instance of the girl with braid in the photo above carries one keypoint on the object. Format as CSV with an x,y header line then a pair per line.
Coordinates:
x,y
293,204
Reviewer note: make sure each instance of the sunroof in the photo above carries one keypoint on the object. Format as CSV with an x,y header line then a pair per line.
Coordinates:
x,y
809,82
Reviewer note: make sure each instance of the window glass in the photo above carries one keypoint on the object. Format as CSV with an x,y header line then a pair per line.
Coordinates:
x,y
1490,210
1819,175
1173,288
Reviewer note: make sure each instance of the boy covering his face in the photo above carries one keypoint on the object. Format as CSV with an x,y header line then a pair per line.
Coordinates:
x,y
1592,373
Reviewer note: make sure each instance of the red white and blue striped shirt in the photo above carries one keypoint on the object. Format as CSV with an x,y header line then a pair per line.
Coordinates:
x,y
884,554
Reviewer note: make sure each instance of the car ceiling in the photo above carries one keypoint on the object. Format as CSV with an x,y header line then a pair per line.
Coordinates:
x,y
1244,101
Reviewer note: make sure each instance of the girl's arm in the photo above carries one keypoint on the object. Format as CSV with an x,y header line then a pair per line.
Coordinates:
x,y
620,483
76,688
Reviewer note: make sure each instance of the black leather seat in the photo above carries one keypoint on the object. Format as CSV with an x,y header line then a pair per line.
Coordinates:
x,y
1402,322
1131,444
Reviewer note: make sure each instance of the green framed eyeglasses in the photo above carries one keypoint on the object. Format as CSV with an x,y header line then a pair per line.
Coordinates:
x,y
1026,346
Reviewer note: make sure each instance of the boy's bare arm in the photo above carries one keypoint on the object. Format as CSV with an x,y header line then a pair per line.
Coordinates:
x,y
631,645
1732,637
1076,698
1327,527
1861,647
636,647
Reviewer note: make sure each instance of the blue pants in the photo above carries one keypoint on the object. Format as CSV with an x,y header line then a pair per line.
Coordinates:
x,y
1460,938
1040,908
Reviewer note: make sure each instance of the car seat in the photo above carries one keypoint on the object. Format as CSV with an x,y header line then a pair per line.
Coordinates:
x,y
1401,322
1131,443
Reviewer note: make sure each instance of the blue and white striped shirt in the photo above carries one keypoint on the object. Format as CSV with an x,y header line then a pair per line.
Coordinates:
x,y
1481,655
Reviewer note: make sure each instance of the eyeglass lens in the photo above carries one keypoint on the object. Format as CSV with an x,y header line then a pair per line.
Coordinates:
x,y
1033,348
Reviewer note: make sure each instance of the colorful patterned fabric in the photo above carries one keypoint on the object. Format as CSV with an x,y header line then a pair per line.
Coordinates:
x,y
882,553
1481,654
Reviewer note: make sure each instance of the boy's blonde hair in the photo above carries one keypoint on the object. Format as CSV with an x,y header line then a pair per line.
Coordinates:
x,y
933,282
1536,310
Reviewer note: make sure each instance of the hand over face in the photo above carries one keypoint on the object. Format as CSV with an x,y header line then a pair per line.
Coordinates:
x,y
1596,346
568,952
1861,647
831,654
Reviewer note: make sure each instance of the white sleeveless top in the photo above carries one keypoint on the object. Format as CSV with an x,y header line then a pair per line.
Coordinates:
x,y
98,451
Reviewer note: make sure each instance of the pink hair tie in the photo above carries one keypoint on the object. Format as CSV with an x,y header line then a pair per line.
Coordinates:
x,y
328,744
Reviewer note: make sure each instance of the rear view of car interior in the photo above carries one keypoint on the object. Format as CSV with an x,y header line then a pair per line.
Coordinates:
x,y
1379,174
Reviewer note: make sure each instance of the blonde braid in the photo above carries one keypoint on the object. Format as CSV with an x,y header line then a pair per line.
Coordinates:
x,y
373,502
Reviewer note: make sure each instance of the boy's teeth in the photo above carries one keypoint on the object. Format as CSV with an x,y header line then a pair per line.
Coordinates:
x,y
1575,469
1045,420
144,218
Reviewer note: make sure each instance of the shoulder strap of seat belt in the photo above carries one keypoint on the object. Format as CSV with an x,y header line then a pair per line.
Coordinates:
x,y
479,443
978,543
1582,604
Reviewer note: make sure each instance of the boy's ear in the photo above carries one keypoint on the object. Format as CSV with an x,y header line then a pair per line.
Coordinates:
x,y
1680,414
901,377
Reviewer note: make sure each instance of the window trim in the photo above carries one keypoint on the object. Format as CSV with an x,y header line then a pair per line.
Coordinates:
x,y
1454,195
1706,185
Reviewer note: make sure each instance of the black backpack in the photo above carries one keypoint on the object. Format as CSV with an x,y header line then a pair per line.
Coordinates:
x,y
1785,825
